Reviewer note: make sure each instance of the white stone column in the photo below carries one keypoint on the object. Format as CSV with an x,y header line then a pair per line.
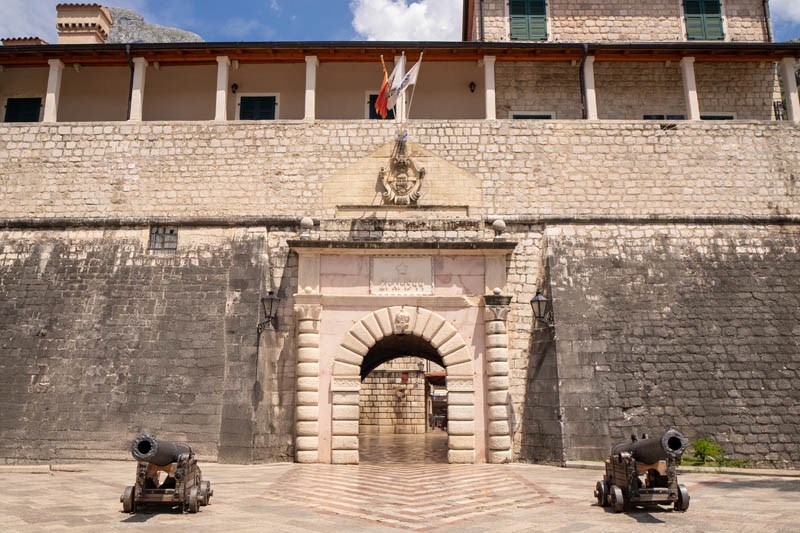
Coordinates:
x,y
312,63
307,402
690,89
223,68
589,88
499,430
488,76
53,90
137,91
788,65
344,426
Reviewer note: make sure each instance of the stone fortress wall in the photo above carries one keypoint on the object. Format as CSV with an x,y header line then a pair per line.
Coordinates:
x,y
623,21
390,404
670,250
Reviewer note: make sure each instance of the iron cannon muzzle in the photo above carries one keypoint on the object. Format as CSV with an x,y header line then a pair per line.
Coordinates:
x,y
147,448
671,444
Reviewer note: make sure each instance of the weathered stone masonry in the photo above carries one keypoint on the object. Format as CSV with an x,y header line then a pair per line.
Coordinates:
x,y
669,249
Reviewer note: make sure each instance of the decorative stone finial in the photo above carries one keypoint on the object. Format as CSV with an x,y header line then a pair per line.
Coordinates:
x,y
499,227
497,291
306,224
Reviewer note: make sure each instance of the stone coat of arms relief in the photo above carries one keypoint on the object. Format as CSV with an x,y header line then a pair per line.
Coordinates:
x,y
402,182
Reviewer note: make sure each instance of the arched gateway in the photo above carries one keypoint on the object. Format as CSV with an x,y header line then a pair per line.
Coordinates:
x,y
358,308
443,338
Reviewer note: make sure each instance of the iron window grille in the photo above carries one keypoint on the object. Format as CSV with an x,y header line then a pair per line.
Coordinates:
x,y
163,239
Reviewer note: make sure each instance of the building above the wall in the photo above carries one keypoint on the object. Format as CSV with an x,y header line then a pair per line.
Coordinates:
x,y
82,23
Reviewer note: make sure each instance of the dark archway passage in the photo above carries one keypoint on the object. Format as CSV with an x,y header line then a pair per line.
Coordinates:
x,y
396,403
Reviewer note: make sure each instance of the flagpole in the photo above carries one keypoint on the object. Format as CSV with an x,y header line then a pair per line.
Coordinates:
x,y
399,109
411,100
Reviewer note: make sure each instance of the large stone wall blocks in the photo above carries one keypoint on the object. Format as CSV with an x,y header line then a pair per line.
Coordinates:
x,y
500,456
370,323
306,383
344,457
460,398
345,427
345,412
354,345
499,427
460,369
307,443
307,428
461,456
345,369
455,343
310,370
344,443
435,322
500,442
423,315
498,368
346,355
307,397
457,427
306,457
460,412
498,382
498,412
462,355
498,397
459,442
445,333
307,412
363,335
344,398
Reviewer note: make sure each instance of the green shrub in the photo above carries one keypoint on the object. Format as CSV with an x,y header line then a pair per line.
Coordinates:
x,y
707,449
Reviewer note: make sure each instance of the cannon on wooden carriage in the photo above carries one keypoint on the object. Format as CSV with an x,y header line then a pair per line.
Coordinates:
x,y
167,473
643,472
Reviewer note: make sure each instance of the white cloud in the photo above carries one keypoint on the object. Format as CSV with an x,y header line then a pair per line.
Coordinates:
x,y
37,18
785,11
274,5
399,20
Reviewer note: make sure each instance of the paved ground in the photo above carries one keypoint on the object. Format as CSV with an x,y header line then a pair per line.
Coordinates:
x,y
412,495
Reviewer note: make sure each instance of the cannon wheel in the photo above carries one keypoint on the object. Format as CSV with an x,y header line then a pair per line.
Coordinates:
x,y
617,500
206,493
127,499
194,499
683,499
601,493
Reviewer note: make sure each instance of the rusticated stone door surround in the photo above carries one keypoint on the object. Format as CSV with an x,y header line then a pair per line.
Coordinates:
x,y
442,299
448,343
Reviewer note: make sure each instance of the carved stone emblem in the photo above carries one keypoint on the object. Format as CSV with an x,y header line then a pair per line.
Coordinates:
x,y
403,180
402,322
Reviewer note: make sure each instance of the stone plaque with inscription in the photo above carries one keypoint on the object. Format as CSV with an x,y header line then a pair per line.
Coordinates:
x,y
401,276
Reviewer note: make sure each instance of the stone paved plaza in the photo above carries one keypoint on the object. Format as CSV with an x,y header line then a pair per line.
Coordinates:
x,y
405,492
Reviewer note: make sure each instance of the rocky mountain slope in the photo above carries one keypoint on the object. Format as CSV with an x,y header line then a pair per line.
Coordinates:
x,y
130,27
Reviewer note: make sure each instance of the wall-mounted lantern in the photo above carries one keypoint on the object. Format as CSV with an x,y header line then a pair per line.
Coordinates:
x,y
270,304
542,309
472,86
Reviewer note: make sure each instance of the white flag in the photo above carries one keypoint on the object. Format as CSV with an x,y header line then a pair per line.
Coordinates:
x,y
411,76
397,76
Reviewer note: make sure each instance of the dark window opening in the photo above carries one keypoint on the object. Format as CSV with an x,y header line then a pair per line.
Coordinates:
x,y
163,239
531,116
257,107
373,115
23,109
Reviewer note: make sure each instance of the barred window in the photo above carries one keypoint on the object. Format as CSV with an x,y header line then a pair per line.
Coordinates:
x,y
163,239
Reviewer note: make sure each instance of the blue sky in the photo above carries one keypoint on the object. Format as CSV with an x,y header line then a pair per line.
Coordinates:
x,y
301,20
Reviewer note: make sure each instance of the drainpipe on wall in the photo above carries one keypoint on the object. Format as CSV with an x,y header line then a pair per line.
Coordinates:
x,y
584,111
480,7
130,86
767,21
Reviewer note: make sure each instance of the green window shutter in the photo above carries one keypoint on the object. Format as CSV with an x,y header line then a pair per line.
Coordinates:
x,y
528,19
22,109
257,107
519,19
703,19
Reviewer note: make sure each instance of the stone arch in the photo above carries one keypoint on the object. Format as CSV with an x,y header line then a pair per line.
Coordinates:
x,y
443,337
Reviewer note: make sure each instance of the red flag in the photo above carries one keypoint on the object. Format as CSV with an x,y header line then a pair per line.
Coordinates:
x,y
383,97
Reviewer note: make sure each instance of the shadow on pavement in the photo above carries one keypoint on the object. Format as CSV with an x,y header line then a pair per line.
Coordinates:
x,y
779,484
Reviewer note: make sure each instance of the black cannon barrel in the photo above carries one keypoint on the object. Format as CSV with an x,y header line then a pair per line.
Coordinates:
x,y
670,444
158,452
